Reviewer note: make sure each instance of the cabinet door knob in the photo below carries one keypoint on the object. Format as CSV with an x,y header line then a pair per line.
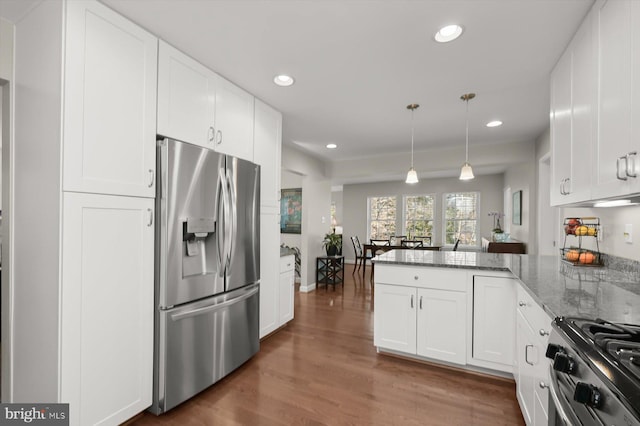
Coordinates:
x,y
543,385
521,303
543,332
415,277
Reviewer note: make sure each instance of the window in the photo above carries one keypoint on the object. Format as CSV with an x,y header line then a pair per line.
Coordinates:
x,y
418,215
382,217
461,218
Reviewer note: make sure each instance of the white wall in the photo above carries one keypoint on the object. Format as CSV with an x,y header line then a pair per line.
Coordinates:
x,y
36,251
355,203
316,208
6,124
522,177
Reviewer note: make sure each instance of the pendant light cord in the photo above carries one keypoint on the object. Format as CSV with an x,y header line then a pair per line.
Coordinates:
x,y
412,138
466,154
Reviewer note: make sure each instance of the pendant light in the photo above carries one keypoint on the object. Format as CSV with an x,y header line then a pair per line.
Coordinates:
x,y
466,173
412,176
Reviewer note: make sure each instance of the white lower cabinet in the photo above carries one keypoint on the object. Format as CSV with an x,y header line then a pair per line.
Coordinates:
x,y
494,322
107,307
427,317
286,288
531,366
276,278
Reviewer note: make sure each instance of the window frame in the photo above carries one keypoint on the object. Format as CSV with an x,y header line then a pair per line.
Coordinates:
x,y
395,197
477,220
433,217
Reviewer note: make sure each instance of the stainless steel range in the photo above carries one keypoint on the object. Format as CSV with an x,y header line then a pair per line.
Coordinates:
x,y
595,375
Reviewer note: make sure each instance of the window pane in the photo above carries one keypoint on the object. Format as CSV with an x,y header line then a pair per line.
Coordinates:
x,y
461,218
418,215
382,217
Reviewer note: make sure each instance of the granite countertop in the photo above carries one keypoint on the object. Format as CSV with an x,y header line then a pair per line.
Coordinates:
x,y
560,288
286,252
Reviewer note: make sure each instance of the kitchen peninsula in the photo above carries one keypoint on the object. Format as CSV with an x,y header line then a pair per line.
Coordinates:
x,y
491,312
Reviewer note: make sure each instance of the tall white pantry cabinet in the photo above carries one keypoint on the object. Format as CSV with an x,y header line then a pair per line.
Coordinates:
x,y
85,125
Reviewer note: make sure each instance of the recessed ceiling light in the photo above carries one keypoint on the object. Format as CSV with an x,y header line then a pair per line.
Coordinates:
x,y
283,80
332,146
494,123
448,33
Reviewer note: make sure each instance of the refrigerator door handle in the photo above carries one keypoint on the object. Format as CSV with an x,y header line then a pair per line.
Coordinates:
x,y
221,233
214,307
233,226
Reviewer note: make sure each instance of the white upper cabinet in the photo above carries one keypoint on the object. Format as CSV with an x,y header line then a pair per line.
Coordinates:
x,y
110,88
267,152
186,98
618,38
573,97
234,120
198,106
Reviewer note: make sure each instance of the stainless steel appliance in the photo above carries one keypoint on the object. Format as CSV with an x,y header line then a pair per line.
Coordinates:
x,y
207,269
595,375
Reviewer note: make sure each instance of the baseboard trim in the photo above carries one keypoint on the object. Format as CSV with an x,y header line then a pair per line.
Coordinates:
x,y
307,288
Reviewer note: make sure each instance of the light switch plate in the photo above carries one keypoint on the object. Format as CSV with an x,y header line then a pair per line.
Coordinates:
x,y
628,233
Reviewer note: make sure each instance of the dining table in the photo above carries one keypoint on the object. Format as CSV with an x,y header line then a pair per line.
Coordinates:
x,y
375,248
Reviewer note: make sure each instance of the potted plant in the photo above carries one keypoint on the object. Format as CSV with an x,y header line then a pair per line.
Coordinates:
x,y
332,243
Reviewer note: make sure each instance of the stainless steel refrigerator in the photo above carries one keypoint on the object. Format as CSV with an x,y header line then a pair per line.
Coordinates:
x,y
207,269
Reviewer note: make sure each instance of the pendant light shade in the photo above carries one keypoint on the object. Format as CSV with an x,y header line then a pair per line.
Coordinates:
x,y
466,173
412,176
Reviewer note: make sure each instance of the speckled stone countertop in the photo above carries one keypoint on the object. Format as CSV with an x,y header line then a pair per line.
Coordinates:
x,y
560,288
286,252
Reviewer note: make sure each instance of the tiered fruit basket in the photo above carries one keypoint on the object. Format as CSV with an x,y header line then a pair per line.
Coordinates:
x,y
575,229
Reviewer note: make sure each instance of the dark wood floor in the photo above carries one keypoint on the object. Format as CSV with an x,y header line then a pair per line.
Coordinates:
x,y
322,369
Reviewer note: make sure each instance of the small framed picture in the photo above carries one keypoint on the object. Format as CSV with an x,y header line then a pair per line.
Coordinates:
x,y
517,208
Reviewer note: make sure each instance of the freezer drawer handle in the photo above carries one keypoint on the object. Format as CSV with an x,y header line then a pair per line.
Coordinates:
x,y
211,308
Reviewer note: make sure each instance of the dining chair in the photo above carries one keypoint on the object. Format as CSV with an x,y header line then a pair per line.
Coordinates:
x,y
426,239
412,243
361,256
396,239
379,242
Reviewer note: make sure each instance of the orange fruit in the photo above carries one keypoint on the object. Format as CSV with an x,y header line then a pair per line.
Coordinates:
x,y
586,257
582,230
572,255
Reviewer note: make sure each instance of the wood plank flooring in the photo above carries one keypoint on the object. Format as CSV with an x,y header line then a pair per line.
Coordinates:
x,y
322,369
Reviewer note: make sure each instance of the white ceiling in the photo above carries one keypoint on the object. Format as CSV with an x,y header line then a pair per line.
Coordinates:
x,y
357,64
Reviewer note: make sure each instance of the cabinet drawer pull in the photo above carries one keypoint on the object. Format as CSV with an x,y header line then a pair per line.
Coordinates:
x,y
631,173
521,303
212,133
626,166
412,301
152,176
218,137
543,332
150,217
526,354
420,302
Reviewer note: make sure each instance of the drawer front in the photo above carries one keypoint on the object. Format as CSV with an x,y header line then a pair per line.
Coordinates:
x,y
287,263
422,277
535,315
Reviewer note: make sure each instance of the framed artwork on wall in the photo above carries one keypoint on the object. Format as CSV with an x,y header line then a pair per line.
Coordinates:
x,y
291,211
517,208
